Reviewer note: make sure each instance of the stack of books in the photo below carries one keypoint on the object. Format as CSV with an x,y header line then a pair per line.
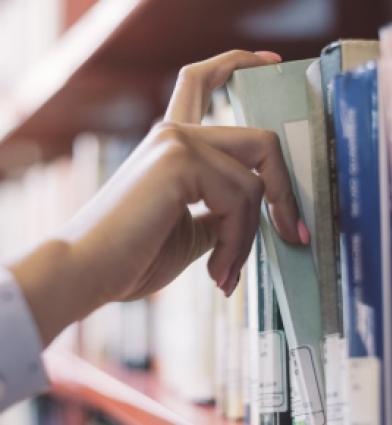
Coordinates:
x,y
317,319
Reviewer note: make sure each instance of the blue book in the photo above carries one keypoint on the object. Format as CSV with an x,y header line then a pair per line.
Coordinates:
x,y
385,102
355,104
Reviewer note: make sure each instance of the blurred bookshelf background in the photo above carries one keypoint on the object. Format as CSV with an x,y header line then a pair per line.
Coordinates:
x,y
81,82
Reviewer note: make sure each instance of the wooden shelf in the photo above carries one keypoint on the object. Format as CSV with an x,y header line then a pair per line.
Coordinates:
x,y
131,397
49,105
126,53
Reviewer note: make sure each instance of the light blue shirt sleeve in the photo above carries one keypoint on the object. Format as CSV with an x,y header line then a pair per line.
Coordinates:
x,y
22,373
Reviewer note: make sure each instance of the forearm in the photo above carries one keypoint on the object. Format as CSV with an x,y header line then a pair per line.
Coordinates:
x,y
65,279
53,288
98,257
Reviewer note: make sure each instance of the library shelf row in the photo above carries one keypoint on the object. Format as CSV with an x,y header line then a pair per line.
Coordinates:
x,y
124,55
132,397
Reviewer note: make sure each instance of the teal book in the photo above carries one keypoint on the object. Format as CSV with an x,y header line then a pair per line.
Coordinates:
x,y
275,97
268,380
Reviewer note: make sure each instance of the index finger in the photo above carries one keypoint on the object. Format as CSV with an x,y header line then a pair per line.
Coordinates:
x,y
196,82
260,150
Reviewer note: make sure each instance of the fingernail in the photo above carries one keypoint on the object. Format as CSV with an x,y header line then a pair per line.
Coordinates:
x,y
233,286
232,283
230,291
275,56
223,279
303,232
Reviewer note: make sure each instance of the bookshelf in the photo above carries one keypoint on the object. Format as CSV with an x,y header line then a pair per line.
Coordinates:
x,y
131,397
115,58
121,53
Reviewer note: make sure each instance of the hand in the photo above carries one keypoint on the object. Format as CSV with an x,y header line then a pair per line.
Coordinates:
x,y
137,234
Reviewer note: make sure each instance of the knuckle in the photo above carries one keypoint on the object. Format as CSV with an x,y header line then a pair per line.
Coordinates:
x,y
236,52
188,72
168,131
272,143
273,140
177,153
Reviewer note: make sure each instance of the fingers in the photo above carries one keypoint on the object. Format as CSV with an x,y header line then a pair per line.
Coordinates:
x,y
260,150
196,82
218,69
233,194
216,164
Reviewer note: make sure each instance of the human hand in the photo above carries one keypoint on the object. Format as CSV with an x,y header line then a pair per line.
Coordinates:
x,y
138,234
197,163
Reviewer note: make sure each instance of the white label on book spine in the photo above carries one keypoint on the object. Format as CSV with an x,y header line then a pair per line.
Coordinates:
x,y
306,402
271,392
363,377
334,366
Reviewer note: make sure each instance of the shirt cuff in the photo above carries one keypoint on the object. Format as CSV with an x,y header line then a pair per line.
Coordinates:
x,y
21,369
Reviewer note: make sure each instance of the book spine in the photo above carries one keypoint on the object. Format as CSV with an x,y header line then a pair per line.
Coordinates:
x,y
385,161
386,42
330,66
274,400
252,319
322,239
356,126
235,408
268,389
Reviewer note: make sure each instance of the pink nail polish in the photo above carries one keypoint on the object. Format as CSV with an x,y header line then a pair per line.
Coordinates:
x,y
303,232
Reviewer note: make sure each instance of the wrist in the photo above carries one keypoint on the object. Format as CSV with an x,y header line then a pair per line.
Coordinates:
x,y
51,288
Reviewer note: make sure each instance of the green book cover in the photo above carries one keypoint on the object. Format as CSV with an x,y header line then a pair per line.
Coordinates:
x,y
275,97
